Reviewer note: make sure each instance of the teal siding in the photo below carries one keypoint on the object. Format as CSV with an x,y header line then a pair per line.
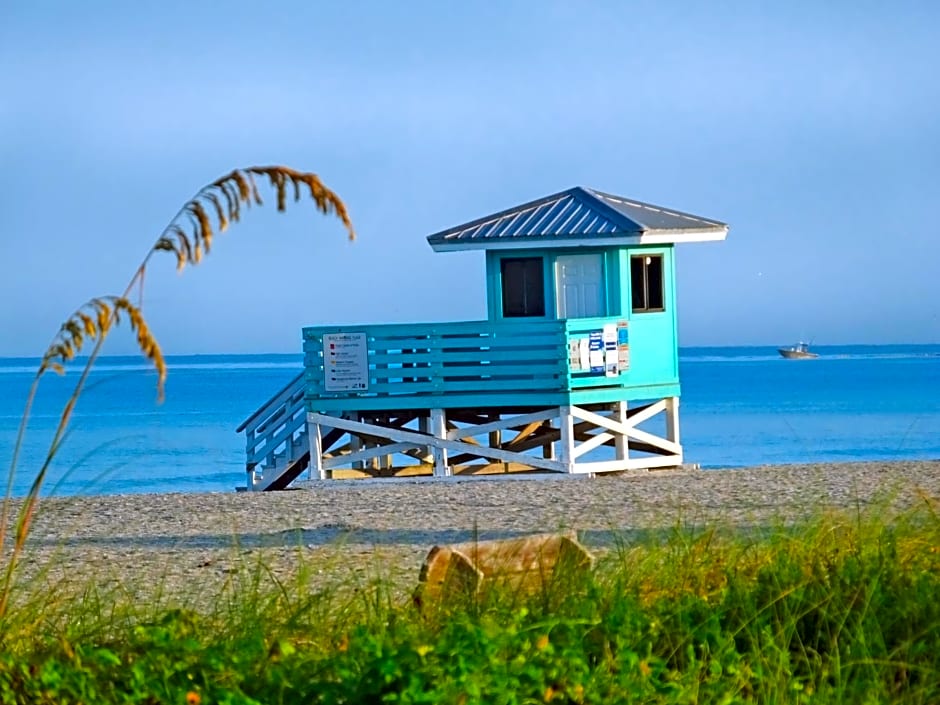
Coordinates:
x,y
614,283
654,336
523,363
515,362
654,347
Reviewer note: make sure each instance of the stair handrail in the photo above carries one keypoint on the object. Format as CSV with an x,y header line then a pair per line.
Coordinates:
x,y
274,400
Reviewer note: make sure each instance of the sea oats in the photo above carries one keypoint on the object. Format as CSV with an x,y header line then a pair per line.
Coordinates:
x,y
254,188
93,320
204,227
242,183
219,212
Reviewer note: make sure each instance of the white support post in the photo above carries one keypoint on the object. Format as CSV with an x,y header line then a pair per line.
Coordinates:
x,y
621,440
672,419
438,429
315,435
672,424
374,462
355,445
566,425
424,426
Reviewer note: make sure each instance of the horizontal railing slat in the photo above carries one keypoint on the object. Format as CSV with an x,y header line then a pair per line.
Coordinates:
x,y
468,356
518,342
408,330
553,367
465,356
398,388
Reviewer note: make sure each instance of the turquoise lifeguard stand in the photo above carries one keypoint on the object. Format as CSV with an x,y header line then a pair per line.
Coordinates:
x,y
575,370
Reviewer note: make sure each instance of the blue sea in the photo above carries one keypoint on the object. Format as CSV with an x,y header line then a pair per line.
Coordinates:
x,y
740,406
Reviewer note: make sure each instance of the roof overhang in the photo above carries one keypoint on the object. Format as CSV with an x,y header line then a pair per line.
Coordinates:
x,y
657,237
578,217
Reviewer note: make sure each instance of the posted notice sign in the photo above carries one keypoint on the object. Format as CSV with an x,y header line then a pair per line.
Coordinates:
x,y
346,362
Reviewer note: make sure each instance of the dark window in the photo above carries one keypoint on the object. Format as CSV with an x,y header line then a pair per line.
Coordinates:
x,y
523,287
646,281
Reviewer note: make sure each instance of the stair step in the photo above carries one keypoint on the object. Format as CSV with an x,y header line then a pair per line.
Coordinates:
x,y
281,420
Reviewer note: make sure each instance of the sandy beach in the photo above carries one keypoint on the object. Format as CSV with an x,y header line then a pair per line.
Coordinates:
x,y
367,529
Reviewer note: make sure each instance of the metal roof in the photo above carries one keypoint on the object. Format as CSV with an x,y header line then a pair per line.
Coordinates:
x,y
577,217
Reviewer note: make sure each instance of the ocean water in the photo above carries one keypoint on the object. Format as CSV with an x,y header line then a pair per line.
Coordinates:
x,y
740,406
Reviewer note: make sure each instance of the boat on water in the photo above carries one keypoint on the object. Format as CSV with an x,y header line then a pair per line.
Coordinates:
x,y
800,351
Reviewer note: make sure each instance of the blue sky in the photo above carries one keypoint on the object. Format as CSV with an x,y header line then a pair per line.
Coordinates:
x,y
813,129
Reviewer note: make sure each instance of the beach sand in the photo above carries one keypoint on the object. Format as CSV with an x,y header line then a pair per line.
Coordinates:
x,y
363,530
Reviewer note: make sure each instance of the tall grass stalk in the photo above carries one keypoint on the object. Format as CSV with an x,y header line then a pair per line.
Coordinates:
x,y
188,236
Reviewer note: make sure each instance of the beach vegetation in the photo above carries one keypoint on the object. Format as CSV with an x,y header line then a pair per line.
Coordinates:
x,y
841,608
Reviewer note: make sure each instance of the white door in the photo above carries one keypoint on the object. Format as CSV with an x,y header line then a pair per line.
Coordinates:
x,y
579,286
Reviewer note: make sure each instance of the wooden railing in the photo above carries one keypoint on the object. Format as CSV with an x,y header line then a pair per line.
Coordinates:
x,y
469,363
459,364
275,437
520,363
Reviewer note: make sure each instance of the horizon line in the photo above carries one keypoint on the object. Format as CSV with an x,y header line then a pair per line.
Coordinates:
x,y
168,356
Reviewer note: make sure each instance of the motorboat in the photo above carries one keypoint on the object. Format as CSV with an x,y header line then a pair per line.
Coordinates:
x,y
800,351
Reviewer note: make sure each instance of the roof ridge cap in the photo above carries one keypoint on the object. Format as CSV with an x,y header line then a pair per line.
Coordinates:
x,y
626,223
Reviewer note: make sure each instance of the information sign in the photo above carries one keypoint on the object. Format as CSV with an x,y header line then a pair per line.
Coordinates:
x,y
346,362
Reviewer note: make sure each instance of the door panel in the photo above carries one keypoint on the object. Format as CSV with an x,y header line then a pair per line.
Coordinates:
x,y
579,286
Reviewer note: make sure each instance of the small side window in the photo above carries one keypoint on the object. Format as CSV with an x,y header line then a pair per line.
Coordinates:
x,y
523,281
646,282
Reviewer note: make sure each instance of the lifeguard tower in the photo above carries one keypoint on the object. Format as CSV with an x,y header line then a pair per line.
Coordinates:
x,y
575,369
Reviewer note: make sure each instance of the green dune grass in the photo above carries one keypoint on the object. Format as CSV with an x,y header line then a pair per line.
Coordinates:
x,y
840,609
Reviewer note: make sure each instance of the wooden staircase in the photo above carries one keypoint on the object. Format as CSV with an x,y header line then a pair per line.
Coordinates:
x,y
277,449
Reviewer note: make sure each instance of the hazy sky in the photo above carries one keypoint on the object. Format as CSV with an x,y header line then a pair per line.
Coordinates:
x,y
812,128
